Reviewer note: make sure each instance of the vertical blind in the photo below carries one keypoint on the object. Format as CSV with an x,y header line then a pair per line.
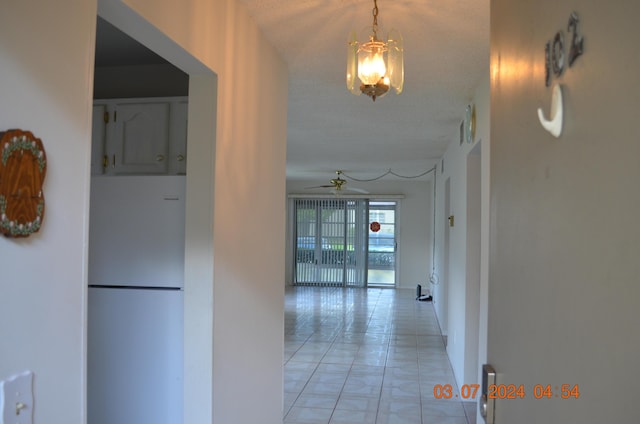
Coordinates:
x,y
331,242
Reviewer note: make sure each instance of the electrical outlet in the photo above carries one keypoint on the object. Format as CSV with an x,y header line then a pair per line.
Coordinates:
x,y
16,399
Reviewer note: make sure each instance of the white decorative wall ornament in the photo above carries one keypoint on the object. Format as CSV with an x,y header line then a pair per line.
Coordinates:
x,y
554,123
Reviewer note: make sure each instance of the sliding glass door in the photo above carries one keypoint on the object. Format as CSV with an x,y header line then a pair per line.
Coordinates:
x,y
382,244
333,243
330,243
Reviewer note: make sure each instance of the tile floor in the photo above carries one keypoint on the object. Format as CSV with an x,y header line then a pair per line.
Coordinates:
x,y
365,356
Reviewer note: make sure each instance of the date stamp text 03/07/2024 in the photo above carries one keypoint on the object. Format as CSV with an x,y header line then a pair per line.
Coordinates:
x,y
508,391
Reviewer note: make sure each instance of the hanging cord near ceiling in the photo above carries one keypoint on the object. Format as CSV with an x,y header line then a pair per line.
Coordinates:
x,y
389,172
433,278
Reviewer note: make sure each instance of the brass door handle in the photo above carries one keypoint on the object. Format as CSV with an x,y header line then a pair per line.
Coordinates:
x,y
180,158
159,158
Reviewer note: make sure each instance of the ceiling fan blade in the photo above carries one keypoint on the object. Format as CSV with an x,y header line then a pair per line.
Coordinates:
x,y
320,186
336,184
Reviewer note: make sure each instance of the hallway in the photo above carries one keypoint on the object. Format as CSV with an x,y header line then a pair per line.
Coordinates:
x,y
365,356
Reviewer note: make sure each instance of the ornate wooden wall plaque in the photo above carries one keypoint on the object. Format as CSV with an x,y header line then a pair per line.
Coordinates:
x,y
23,165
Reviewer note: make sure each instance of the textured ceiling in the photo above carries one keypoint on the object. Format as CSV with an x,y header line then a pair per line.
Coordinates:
x,y
446,46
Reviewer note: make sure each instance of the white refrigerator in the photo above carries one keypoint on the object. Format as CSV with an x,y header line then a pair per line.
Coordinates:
x,y
135,312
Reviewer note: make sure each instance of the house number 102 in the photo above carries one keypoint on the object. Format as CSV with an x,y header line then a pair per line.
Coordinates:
x,y
555,50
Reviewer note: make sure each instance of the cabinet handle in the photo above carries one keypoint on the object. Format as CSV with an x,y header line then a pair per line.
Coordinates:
x,y
113,161
105,161
159,158
19,407
180,158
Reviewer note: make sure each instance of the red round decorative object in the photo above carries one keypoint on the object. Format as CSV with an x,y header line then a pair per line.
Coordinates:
x,y
374,226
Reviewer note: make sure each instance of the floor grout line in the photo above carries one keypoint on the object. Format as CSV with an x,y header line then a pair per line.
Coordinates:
x,y
331,318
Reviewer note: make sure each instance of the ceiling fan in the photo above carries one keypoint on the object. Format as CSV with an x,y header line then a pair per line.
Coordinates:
x,y
337,184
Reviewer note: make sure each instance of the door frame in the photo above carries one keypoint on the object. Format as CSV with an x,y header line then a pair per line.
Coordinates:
x,y
201,141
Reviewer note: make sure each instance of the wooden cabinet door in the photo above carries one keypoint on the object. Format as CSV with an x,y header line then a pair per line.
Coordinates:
x,y
140,144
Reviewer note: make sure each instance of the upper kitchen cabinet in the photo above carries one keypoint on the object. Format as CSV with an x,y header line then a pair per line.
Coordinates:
x,y
98,139
178,137
140,136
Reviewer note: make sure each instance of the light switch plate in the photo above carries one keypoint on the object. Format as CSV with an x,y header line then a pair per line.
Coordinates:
x,y
16,399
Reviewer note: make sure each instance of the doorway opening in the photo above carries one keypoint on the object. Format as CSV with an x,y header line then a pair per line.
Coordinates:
x,y
136,272
200,84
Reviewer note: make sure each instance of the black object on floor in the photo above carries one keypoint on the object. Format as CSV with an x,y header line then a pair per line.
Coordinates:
x,y
422,297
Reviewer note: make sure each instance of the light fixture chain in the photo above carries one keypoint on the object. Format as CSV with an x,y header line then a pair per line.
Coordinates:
x,y
375,18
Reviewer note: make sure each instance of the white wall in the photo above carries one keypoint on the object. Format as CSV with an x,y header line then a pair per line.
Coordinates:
x,y
414,223
236,341
47,90
457,296
473,265
565,240
245,358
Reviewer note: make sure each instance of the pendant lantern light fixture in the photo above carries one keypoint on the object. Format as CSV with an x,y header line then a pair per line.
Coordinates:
x,y
378,64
